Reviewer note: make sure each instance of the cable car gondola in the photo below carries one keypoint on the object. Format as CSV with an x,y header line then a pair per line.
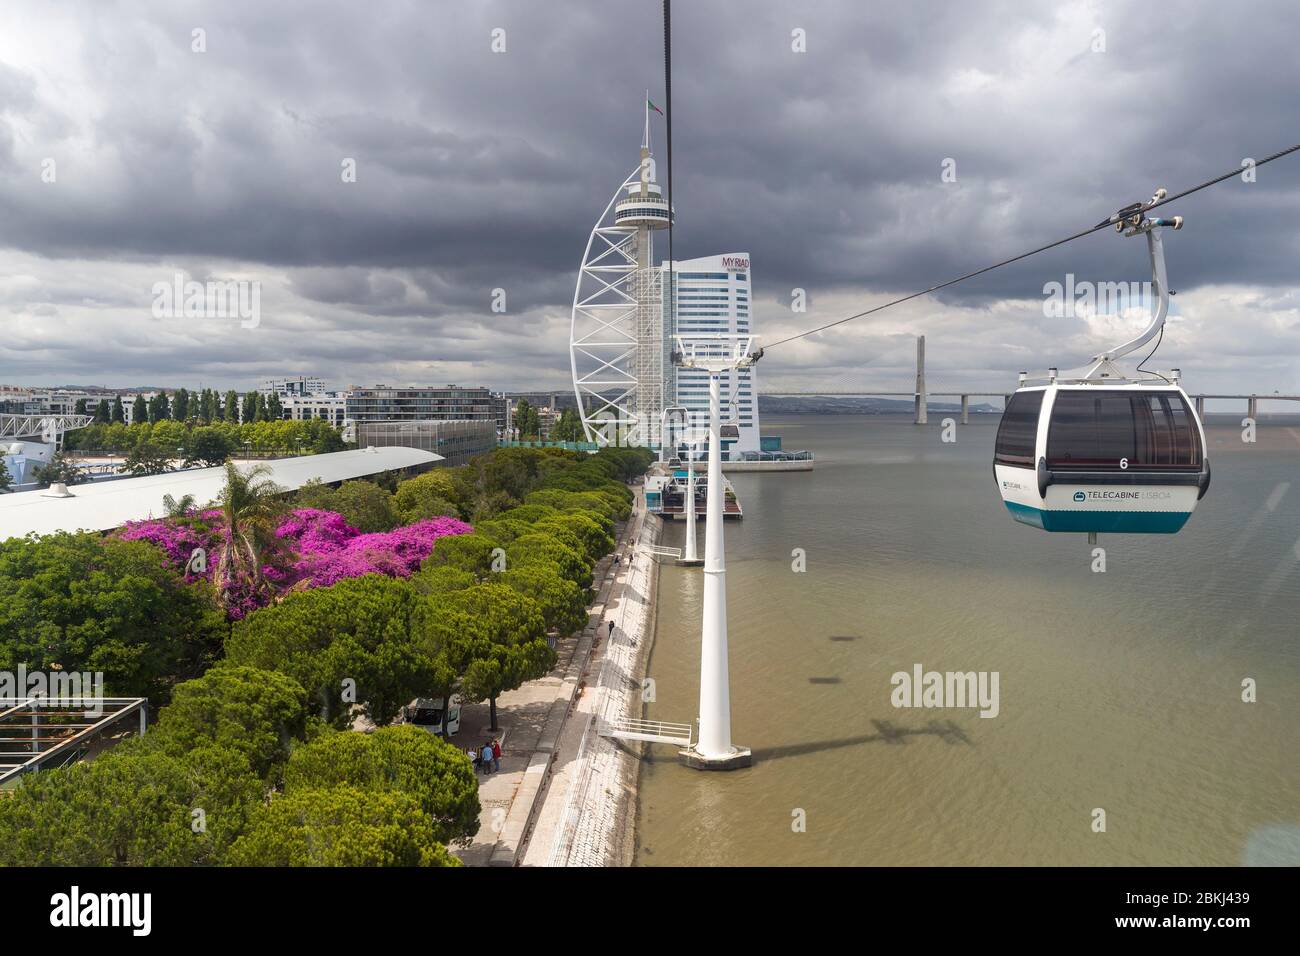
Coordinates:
x,y
1102,452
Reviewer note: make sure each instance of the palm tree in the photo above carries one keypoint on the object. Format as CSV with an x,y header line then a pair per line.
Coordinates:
x,y
178,508
250,503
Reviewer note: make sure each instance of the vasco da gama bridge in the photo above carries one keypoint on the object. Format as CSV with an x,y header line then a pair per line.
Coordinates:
x,y
921,394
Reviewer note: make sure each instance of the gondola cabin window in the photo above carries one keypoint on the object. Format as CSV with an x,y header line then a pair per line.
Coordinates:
x,y
1018,430
1122,430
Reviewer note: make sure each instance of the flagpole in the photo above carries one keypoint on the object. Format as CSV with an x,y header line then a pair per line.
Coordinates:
x,y
645,142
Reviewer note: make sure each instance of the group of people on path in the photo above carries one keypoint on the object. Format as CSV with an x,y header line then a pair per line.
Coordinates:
x,y
488,757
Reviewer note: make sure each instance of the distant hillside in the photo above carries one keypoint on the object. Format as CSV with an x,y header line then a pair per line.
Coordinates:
x,y
857,405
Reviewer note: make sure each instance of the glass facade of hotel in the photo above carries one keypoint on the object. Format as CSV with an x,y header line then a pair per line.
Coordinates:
x,y
713,297
457,442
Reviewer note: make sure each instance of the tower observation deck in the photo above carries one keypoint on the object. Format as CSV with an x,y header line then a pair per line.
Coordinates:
x,y
616,341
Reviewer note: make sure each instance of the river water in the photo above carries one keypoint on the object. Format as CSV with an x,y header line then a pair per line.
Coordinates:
x,y
1118,691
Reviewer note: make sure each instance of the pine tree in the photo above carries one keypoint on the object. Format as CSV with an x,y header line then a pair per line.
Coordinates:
x,y
231,407
522,411
274,410
119,413
139,411
250,407
80,407
181,405
101,412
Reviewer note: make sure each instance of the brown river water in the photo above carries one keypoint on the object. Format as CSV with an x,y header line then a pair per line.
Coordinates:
x,y
1119,691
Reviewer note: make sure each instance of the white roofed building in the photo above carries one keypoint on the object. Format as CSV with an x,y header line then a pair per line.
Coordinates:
x,y
104,505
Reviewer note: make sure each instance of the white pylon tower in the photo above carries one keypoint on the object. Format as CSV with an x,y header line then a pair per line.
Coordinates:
x,y
690,555
690,435
713,749
616,332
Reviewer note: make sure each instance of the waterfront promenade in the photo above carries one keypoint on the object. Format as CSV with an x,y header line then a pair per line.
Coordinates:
x,y
588,811
543,723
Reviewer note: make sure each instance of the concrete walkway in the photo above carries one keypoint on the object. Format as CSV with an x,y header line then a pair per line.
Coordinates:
x,y
586,814
532,720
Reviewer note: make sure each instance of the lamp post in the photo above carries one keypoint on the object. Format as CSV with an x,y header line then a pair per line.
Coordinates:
x,y
713,749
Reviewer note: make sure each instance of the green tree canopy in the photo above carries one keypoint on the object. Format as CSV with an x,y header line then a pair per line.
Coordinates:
x,y
441,578
405,758
428,495
314,494
354,634
507,645
365,506
149,459
568,427
563,604
130,807
466,552
209,446
528,513
340,826
592,539
81,602
256,713
546,548
503,529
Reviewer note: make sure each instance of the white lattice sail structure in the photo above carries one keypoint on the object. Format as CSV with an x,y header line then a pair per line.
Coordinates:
x,y
616,338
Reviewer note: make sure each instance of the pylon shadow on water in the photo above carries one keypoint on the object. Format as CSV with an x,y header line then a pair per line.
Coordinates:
x,y
886,733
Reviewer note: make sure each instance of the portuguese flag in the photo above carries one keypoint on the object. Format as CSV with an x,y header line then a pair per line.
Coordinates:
x,y
655,108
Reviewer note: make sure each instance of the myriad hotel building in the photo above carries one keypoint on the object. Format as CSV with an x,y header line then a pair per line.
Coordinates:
x,y
713,297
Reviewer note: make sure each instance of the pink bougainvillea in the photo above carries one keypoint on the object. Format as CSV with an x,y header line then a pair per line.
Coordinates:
x,y
396,553
323,548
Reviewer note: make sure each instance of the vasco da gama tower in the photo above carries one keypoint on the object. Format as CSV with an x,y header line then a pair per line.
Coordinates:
x,y
623,323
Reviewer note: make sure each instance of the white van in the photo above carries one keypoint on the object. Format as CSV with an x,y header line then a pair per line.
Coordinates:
x,y
426,713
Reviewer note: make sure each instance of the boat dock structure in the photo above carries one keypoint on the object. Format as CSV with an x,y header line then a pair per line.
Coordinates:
x,y
665,495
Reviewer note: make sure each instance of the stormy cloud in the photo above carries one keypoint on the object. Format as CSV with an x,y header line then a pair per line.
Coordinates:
x,y
478,170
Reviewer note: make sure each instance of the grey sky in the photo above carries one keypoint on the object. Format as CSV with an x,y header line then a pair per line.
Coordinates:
x,y
479,170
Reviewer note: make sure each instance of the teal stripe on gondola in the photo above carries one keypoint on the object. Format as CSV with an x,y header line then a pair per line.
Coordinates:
x,y
1109,522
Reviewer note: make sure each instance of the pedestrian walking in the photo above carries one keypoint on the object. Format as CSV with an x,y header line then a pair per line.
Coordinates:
x,y
611,628
496,754
486,758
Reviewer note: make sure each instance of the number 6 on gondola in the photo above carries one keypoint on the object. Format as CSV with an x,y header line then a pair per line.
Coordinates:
x,y
1100,451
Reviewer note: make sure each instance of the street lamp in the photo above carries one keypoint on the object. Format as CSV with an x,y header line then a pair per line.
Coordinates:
x,y
713,749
